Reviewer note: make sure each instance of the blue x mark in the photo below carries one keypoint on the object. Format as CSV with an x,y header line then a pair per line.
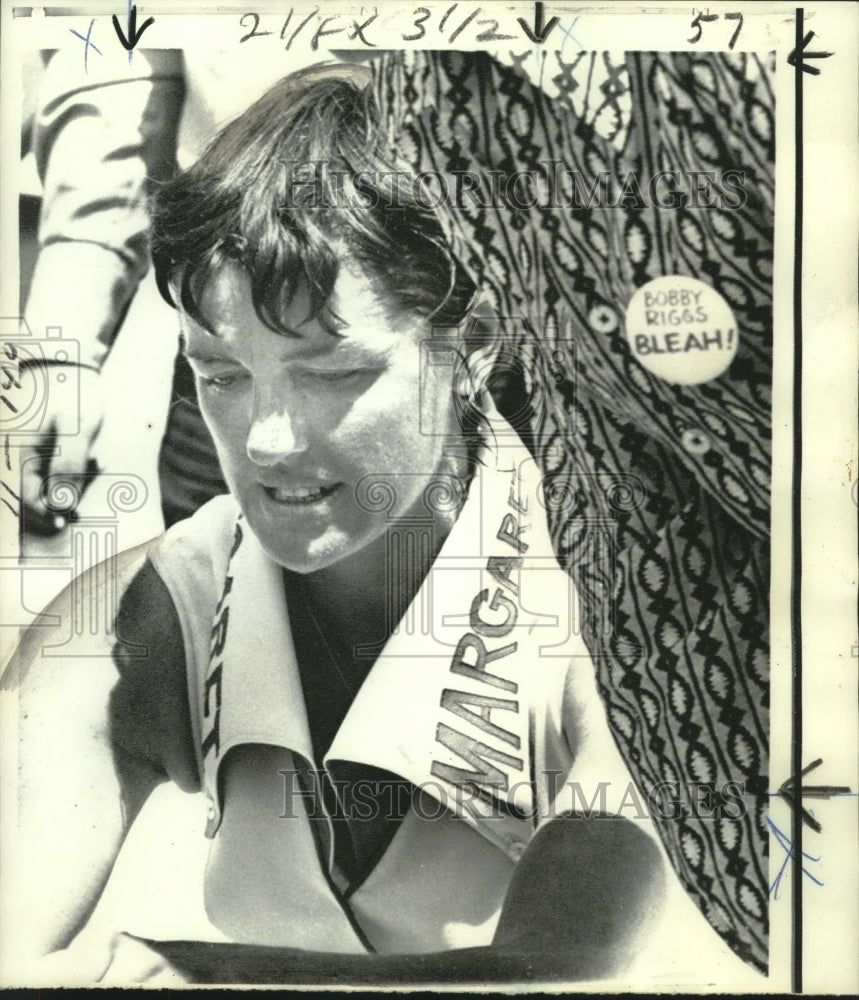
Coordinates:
x,y
568,33
87,43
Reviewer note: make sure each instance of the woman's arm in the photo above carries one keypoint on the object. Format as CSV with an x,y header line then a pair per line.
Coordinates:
x,y
83,774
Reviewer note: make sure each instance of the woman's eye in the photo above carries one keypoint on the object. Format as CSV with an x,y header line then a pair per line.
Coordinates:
x,y
339,375
224,381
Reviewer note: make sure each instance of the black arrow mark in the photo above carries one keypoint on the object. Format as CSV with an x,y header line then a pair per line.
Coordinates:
x,y
539,34
791,794
133,33
793,58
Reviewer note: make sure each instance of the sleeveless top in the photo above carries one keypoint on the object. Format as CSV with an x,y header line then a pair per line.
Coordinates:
x,y
481,701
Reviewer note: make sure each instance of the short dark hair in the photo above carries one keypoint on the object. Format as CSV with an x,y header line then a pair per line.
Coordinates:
x,y
241,202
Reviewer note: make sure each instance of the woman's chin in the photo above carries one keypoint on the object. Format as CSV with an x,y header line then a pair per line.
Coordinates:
x,y
310,556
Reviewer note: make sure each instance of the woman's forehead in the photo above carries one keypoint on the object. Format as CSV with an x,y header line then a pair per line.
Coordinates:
x,y
356,320
226,298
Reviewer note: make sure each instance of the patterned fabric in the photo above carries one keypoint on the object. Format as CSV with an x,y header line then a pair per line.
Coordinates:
x,y
658,493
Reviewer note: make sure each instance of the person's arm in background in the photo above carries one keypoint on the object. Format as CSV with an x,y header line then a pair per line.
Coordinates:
x,y
99,141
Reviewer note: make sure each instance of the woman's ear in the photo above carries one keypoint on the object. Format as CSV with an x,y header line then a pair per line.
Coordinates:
x,y
481,341
496,351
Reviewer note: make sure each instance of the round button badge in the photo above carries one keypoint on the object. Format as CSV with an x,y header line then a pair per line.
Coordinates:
x,y
681,329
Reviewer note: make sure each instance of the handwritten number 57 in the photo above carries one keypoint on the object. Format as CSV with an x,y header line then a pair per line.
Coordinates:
x,y
702,18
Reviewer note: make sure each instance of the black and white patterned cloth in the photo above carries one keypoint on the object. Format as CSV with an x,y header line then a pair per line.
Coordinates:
x,y
658,493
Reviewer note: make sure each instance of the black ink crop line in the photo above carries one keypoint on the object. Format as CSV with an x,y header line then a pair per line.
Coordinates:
x,y
796,518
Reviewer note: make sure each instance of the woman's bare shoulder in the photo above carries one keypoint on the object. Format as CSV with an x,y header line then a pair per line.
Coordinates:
x,y
111,644
80,621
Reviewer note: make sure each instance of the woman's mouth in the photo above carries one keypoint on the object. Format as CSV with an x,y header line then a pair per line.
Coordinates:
x,y
299,495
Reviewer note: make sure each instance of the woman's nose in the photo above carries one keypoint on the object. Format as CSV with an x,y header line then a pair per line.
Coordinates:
x,y
273,437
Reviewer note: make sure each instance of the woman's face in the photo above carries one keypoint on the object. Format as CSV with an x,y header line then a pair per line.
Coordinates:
x,y
299,421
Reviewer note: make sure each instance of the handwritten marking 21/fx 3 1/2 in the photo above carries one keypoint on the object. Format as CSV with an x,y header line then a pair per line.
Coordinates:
x,y
421,20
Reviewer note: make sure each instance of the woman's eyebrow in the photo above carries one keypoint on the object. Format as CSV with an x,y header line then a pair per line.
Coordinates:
x,y
208,348
352,351
202,357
